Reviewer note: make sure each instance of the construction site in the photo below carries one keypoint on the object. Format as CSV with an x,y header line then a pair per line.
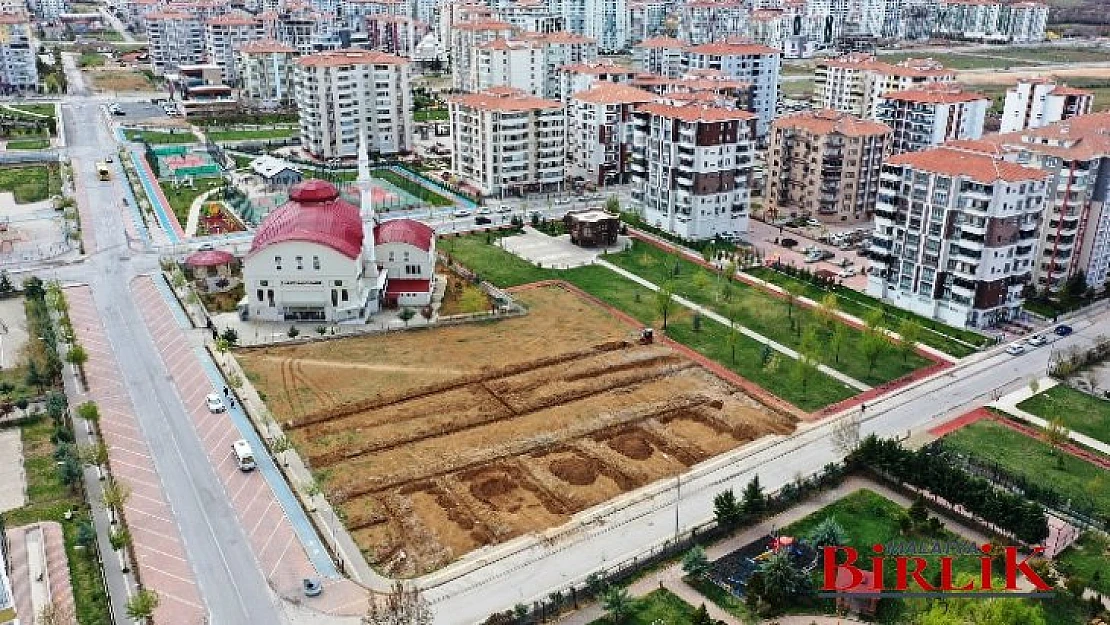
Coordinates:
x,y
435,442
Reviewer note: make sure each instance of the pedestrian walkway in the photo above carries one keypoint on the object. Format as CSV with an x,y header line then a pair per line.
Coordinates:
x,y
39,571
1009,403
156,541
786,351
193,221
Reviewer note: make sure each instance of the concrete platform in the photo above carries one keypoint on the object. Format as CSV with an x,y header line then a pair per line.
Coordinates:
x,y
13,481
555,252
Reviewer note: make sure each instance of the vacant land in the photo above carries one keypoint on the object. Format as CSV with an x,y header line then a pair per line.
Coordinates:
x,y
119,80
30,183
1084,483
37,110
433,443
1078,411
419,191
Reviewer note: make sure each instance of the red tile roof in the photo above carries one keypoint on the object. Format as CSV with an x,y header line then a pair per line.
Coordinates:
x,y
313,214
695,113
1066,90
483,25
209,258
936,93
339,58
1082,137
831,122
974,165
563,37
662,42
614,93
597,69
409,231
233,19
726,48
504,99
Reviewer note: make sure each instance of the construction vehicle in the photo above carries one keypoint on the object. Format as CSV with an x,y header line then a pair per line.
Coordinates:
x,y
647,336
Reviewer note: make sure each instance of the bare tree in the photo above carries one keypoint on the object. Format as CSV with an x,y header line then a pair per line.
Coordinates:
x,y
845,433
400,606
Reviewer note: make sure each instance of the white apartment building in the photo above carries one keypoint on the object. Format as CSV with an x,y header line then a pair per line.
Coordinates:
x,y
465,39
355,12
176,39
225,34
515,63
646,18
749,62
708,21
927,117
456,12
265,70
1037,102
343,91
508,142
955,235
599,132
692,167
583,76
562,49
18,71
662,55
48,10
604,21
991,21
854,83
532,16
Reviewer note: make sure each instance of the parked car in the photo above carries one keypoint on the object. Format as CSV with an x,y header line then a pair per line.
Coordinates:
x,y
1015,349
504,209
813,257
813,222
562,201
1037,340
482,220
462,212
788,243
215,403
485,211
1063,330
846,273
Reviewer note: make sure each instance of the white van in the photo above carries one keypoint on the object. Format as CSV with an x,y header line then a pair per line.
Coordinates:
x,y
243,455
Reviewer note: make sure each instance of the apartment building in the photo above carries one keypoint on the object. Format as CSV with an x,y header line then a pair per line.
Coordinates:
x,y
692,167
662,55
300,28
704,85
991,21
604,21
341,92
457,12
825,164
929,116
507,142
1037,102
465,39
854,83
225,34
532,16
708,21
355,12
176,38
265,70
1075,229
583,76
18,71
955,235
515,63
599,132
562,49
395,34
646,19
749,62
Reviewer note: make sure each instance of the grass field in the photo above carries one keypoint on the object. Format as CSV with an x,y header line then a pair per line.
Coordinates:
x,y
954,60
1087,559
181,199
31,183
46,110
946,338
1034,459
251,134
92,59
504,269
27,144
155,137
49,500
797,89
119,80
763,313
427,115
656,608
418,191
1079,411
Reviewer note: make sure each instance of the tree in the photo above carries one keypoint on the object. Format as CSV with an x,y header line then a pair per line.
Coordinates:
x,y
88,411
142,604
695,563
120,539
77,356
280,445
909,335
34,377
115,494
806,364
792,291
427,312
918,513
406,314
22,402
734,335
69,472
613,205
402,605
845,433
5,283
56,404
701,281
729,271
828,533
783,581
830,305
231,336
872,343
754,499
293,332
86,535
664,299
726,509
994,611
1057,435
701,616
617,604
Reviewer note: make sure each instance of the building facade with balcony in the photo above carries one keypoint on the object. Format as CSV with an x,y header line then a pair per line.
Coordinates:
x,y
991,21
955,235
691,169
465,39
223,35
825,164
854,83
1038,102
18,71
265,69
341,92
599,132
752,63
927,117
506,141
663,56
708,21
176,39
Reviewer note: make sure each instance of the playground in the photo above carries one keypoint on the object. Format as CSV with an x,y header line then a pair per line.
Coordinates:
x,y
178,162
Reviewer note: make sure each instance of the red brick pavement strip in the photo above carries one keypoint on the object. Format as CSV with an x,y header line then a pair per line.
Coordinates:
x,y
172,216
159,552
960,421
275,545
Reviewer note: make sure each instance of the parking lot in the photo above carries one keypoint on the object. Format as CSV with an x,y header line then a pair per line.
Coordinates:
x,y
141,111
764,237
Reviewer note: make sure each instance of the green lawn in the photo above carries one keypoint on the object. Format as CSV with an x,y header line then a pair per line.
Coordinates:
x,y
48,500
656,608
1055,55
722,598
504,269
797,89
242,161
1086,557
255,134
421,192
1079,411
948,339
154,137
181,199
763,313
27,144
39,109
1079,480
92,59
427,115
956,60
30,183
13,382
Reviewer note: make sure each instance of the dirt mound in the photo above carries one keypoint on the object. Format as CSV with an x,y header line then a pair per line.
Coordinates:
x,y
579,472
491,486
632,445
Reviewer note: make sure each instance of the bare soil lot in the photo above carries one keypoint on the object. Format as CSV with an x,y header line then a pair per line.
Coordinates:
x,y
119,80
433,443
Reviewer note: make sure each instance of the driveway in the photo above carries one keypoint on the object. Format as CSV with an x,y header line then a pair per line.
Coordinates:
x,y
764,237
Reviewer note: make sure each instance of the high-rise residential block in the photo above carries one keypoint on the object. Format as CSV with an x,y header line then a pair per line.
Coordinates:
x,y
854,83
265,70
752,63
599,132
928,116
223,35
1037,102
176,38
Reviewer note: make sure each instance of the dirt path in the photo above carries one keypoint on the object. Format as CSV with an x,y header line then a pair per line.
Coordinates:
x,y
314,362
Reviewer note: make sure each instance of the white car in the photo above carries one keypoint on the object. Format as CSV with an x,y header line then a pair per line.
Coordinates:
x,y
562,201
1015,349
847,272
214,403
485,211
461,213
504,209
1037,340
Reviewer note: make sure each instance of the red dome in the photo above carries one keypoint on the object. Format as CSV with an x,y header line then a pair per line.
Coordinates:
x,y
208,258
410,231
314,214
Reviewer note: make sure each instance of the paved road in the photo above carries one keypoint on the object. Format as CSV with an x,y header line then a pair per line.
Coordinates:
x,y
232,587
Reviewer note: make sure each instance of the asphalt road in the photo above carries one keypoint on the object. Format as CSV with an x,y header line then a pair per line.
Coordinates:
x,y
231,584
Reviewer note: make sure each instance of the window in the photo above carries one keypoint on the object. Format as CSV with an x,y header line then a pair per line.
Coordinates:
x,y
260,295
316,263
345,298
391,257
300,262
263,283
277,262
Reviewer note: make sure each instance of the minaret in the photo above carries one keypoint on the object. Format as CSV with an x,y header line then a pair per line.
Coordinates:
x,y
369,258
